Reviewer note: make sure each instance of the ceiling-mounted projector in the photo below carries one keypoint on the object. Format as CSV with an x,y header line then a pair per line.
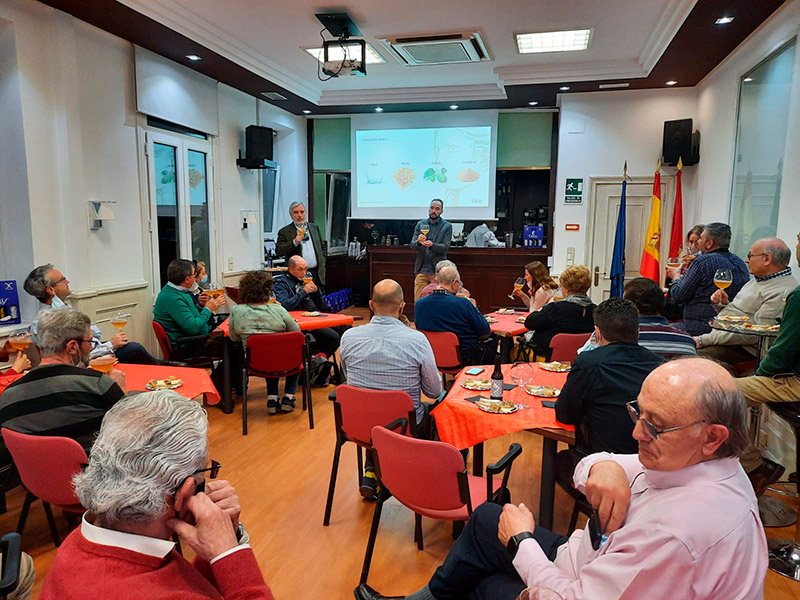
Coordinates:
x,y
342,56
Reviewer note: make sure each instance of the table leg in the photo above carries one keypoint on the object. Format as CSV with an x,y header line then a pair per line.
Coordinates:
x,y
477,460
548,485
227,391
506,344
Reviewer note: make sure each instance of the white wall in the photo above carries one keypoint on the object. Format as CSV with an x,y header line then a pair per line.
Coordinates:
x,y
598,132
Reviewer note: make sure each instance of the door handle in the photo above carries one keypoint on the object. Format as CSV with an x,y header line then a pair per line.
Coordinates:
x,y
596,276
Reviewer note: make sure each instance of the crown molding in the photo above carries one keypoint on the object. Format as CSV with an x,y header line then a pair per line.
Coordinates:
x,y
216,40
447,93
672,17
589,71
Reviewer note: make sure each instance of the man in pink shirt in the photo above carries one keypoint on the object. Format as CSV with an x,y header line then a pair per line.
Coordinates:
x,y
679,520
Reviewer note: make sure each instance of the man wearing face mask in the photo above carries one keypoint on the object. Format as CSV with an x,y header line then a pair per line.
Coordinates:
x,y
61,397
483,236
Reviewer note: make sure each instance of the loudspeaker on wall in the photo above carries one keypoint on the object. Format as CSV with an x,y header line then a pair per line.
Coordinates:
x,y
258,143
680,142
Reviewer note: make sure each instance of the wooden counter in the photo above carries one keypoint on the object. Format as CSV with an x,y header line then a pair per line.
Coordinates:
x,y
488,273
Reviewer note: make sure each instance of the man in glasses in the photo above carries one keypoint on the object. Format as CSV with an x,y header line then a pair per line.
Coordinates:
x,y
62,397
145,482
678,520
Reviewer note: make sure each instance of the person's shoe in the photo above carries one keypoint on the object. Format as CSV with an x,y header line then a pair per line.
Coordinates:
x,y
364,592
369,486
768,473
287,404
272,405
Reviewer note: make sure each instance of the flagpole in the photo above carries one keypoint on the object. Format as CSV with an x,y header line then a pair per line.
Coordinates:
x,y
617,273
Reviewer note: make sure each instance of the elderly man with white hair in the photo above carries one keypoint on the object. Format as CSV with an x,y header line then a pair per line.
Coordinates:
x,y
145,481
426,291
302,238
678,520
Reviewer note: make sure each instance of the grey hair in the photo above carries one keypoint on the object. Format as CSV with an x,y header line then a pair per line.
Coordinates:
x,y
447,275
720,233
724,406
147,446
294,205
781,255
37,281
58,326
444,263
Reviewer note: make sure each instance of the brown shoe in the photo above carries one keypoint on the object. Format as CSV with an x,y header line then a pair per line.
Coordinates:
x,y
768,473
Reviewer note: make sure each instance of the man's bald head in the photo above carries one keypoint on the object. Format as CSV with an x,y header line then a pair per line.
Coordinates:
x,y
387,298
778,250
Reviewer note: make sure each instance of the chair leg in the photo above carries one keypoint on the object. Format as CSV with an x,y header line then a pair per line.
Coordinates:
x,y
3,505
573,520
418,531
373,534
458,527
360,459
244,401
26,508
52,522
307,394
332,485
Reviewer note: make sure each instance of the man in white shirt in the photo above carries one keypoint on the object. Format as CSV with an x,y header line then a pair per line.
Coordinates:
x,y
679,520
308,244
483,236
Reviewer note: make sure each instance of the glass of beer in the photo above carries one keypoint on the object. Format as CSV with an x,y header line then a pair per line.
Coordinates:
x,y
425,229
723,278
215,288
301,230
272,298
673,261
518,285
308,277
119,320
103,363
20,340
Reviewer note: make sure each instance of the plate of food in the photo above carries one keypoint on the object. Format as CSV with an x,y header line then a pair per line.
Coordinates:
x,y
505,311
542,391
752,327
733,318
477,384
170,383
491,320
500,407
522,319
555,366
311,313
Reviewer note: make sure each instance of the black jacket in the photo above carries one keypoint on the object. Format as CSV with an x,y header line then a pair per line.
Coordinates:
x,y
291,294
284,246
559,317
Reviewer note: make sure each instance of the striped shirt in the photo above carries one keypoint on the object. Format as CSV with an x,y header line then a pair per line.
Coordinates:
x,y
59,400
384,354
656,335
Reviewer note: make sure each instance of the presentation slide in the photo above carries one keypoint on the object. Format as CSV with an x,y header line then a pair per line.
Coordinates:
x,y
399,171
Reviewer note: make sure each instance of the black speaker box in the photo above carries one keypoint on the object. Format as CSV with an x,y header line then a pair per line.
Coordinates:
x,y
258,143
679,142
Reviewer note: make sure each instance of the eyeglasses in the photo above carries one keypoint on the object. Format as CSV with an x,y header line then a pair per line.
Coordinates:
x,y
93,342
200,486
55,283
749,255
652,432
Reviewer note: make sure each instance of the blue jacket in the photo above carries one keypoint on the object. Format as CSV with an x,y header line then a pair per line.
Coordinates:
x,y
290,293
443,311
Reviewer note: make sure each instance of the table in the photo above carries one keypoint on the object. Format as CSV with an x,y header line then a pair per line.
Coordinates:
x,y
736,327
506,328
305,324
463,425
196,382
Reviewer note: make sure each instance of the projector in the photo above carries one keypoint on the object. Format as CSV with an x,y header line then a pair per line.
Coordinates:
x,y
348,66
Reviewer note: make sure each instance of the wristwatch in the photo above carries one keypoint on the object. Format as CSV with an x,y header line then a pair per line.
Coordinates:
x,y
515,541
239,532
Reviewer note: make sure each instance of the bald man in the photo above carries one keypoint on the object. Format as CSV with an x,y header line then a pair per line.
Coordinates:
x,y
761,299
680,518
386,354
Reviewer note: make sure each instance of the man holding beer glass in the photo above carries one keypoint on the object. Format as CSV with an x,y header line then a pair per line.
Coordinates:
x,y
431,239
301,238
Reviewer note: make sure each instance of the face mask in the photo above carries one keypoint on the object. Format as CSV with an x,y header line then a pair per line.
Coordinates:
x,y
204,280
57,302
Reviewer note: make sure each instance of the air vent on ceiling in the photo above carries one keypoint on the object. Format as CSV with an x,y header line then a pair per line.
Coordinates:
x,y
437,48
273,96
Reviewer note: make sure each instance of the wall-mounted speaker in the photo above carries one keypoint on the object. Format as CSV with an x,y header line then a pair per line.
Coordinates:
x,y
258,143
680,142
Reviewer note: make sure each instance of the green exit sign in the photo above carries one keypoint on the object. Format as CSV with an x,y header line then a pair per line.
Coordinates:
x,y
573,191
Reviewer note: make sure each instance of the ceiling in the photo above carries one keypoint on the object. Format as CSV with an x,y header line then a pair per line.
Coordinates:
x,y
258,46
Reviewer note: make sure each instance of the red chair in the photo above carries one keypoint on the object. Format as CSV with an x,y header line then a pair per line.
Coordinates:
x,y
446,351
166,347
356,411
271,355
46,465
431,479
565,346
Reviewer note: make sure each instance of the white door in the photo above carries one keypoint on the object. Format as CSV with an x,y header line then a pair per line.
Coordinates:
x,y
605,194
181,202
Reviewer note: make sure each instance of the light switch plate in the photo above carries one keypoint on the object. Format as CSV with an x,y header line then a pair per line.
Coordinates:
x,y
230,263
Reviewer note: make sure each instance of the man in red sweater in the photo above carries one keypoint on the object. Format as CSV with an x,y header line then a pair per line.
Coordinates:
x,y
145,481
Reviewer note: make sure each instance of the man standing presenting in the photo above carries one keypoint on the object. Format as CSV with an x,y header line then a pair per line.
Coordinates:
x,y
431,239
301,238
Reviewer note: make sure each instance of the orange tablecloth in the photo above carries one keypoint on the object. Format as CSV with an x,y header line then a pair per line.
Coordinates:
x,y
507,324
463,424
195,381
307,323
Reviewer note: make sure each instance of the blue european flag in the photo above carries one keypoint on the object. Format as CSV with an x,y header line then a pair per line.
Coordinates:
x,y
618,258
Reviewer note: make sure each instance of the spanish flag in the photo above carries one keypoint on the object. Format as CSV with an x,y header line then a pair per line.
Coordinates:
x,y
650,257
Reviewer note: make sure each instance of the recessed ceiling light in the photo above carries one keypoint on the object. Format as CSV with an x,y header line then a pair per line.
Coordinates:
x,y
336,53
553,41
378,109
306,112
193,57
453,106
564,88
671,82
748,79
612,86
532,103
723,21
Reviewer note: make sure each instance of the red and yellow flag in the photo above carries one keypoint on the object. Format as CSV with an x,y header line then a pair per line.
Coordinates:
x,y
650,256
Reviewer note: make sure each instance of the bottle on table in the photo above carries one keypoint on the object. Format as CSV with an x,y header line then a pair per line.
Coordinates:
x,y
497,380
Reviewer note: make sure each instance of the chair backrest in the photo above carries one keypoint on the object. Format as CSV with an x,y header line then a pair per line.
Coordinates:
x,y
232,293
362,409
445,348
565,345
46,464
419,473
163,340
275,353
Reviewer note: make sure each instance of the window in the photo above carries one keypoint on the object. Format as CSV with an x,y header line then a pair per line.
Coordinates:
x,y
764,95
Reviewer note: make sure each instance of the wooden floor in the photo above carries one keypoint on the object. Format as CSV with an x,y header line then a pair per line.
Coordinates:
x,y
281,471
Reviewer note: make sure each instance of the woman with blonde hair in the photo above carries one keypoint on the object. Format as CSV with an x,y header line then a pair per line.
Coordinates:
x,y
542,287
